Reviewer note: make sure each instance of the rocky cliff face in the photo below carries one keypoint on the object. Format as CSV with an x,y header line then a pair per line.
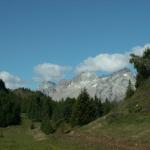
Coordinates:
x,y
47,87
112,87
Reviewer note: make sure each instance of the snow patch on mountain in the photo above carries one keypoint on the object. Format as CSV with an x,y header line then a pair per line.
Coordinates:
x,y
112,87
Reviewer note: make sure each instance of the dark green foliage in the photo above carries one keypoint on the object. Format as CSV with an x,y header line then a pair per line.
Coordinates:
x,y
9,109
142,65
110,106
46,126
25,95
68,107
107,106
34,111
39,106
47,107
80,114
140,101
98,107
134,108
130,90
58,111
63,110
32,126
86,109
2,85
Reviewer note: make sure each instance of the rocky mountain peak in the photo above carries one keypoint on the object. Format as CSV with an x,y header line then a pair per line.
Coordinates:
x,y
84,76
112,87
47,87
64,83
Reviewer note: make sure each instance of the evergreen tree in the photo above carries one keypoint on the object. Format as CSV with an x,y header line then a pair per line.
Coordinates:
x,y
2,85
129,91
9,109
47,107
68,107
142,65
46,126
98,107
82,113
40,106
58,111
107,106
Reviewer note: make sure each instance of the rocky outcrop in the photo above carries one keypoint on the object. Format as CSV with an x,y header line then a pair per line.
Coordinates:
x,y
112,87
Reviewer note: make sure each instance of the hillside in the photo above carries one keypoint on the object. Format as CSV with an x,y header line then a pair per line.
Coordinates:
x,y
128,126
141,98
126,134
21,137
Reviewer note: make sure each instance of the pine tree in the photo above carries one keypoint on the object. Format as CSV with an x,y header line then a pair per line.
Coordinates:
x,y
9,109
130,90
106,107
81,112
46,126
2,85
98,107
142,65
68,108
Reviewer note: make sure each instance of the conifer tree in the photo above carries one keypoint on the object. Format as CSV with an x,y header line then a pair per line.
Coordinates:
x,y
81,113
130,90
46,126
142,65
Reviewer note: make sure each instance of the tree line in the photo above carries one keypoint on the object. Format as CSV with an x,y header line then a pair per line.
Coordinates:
x,y
41,108
9,107
74,111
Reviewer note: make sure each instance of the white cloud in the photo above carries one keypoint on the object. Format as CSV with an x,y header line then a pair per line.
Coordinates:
x,y
11,81
139,50
48,72
109,62
104,62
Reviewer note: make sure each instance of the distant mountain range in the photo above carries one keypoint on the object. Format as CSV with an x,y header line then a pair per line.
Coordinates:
x,y
112,87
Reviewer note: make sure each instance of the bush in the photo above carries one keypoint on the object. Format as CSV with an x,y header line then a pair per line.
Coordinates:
x,y
32,126
134,108
46,127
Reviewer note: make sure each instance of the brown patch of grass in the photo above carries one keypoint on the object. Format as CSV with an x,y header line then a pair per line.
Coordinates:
x,y
105,142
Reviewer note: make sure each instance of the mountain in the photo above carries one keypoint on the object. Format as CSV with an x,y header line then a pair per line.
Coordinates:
x,y
112,87
47,87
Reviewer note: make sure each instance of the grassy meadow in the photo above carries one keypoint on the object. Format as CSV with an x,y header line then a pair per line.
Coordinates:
x,y
128,132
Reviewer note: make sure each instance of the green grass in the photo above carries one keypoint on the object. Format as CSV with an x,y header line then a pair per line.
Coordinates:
x,y
125,132
21,138
128,129
141,98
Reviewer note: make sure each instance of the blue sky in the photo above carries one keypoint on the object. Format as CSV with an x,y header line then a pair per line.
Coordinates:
x,y
66,33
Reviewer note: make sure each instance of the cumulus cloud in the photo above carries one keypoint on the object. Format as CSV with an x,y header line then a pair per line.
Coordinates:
x,y
11,81
139,50
104,62
48,72
109,62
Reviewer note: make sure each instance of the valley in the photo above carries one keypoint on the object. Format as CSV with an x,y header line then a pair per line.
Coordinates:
x,y
125,134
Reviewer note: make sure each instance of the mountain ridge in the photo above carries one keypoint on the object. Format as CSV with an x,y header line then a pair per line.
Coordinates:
x,y
111,87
